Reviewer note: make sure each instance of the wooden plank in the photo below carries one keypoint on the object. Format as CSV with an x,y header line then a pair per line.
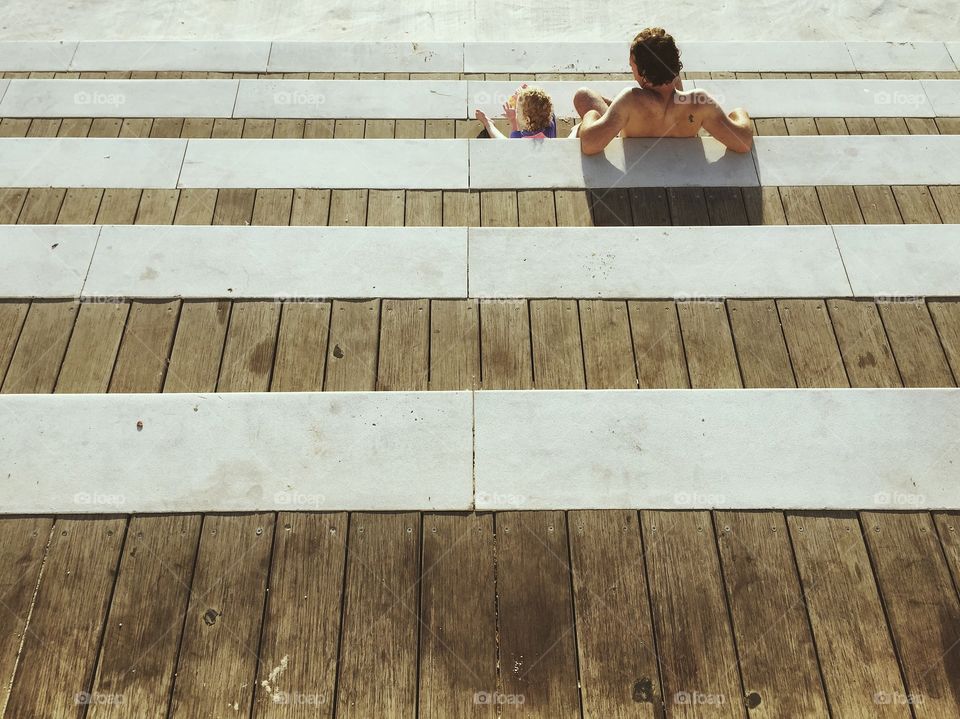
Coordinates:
x,y
610,208
301,347
272,207
877,205
234,207
68,614
812,344
11,203
801,205
43,341
217,664
948,529
454,345
764,206
557,353
946,318
761,350
118,207
573,208
505,351
921,606
461,208
658,345
498,208
615,644
839,205
80,206
88,363
157,207
711,357
352,347
380,617
310,207
778,659
385,208
12,316
23,545
142,636
301,626
198,347
250,347
916,346
145,348
649,206
916,204
697,656
725,206
535,208
947,199
348,208
458,624
688,206
857,659
404,345
607,345
537,655
863,344
424,208
196,207
41,206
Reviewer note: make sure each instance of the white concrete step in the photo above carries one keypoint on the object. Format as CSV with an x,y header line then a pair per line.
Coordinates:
x,y
732,449
482,57
660,449
237,452
448,99
480,164
682,263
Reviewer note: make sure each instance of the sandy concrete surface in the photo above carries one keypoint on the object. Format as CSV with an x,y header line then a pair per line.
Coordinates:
x,y
456,20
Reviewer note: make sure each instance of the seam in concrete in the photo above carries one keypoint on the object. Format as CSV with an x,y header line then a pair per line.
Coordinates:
x,y
93,254
846,272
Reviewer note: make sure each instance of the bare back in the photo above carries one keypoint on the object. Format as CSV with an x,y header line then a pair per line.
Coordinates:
x,y
649,114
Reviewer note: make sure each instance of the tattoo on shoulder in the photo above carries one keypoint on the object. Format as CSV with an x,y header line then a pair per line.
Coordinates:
x,y
690,118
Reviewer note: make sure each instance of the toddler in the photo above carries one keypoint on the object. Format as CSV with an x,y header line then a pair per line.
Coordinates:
x,y
530,112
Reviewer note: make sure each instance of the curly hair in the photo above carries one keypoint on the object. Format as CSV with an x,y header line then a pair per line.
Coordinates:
x,y
534,109
655,52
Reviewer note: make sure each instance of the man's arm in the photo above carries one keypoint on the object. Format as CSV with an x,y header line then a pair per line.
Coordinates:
x,y
597,130
734,130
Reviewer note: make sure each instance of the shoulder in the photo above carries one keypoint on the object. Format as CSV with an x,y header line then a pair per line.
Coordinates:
x,y
700,101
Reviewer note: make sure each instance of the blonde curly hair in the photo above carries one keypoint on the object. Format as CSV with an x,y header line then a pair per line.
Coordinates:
x,y
534,109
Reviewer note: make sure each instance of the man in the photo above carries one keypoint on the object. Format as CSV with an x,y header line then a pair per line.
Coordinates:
x,y
659,107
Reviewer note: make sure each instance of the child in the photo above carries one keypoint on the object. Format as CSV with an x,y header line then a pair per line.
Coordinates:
x,y
530,112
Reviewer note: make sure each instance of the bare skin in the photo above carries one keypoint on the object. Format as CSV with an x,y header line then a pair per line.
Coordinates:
x,y
657,111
